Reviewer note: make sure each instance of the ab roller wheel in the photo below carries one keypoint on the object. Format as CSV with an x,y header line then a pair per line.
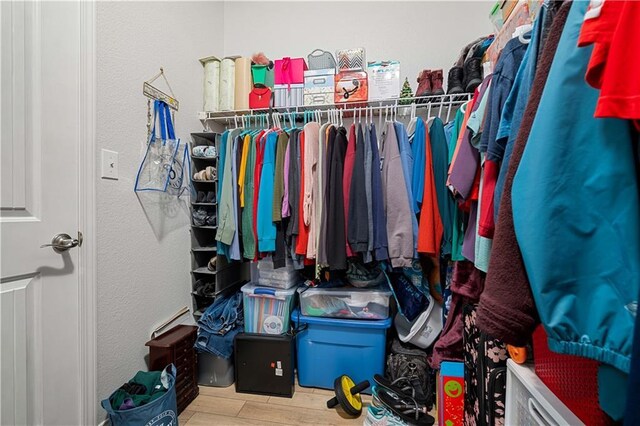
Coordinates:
x,y
348,395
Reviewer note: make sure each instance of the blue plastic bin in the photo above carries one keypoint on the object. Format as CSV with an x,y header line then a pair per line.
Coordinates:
x,y
328,348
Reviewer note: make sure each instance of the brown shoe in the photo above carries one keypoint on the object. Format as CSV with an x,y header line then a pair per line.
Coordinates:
x,y
436,82
424,84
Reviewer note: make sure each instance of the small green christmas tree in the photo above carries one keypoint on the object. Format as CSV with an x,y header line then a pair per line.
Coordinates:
x,y
406,92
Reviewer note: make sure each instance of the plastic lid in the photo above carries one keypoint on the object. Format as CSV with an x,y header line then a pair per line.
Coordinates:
x,y
379,290
298,318
251,288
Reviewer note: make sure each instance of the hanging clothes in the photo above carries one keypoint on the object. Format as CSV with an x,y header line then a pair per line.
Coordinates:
x,y
303,229
358,222
587,200
406,158
321,257
311,132
368,189
329,137
265,226
380,243
430,227
349,164
507,310
248,239
398,211
439,161
336,238
234,249
279,179
226,214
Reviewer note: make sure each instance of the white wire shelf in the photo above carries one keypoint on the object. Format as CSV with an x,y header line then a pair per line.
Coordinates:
x,y
441,103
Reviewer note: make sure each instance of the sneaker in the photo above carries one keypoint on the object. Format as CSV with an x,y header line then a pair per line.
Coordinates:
x,y
380,416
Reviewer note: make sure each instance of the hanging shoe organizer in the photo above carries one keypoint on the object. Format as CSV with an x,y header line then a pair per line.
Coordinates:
x,y
211,274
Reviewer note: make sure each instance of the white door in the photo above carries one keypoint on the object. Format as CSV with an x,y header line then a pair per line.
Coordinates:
x,y
40,116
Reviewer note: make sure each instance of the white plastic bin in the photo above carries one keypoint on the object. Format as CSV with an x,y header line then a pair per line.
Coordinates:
x,y
530,402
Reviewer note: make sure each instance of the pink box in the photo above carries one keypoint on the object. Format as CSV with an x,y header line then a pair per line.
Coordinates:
x,y
290,70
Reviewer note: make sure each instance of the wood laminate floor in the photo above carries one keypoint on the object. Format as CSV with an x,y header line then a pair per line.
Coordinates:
x,y
223,406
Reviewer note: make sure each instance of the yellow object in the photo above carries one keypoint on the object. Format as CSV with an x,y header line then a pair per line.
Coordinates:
x,y
354,400
243,167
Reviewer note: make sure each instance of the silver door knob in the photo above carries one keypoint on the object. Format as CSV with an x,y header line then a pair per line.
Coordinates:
x,y
63,242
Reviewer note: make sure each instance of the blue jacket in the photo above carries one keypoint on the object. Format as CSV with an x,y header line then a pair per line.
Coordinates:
x,y
406,157
265,227
576,214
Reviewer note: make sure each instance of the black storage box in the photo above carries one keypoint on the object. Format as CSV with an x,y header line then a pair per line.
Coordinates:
x,y
264,364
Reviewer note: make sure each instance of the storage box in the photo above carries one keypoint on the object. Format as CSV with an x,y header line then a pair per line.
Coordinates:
x,y
451,394
290,70
351,86
345,302
214,370
507,7
530,402
328,348
384,80
572,379
267,310
284,278
288,95
264,364
319,86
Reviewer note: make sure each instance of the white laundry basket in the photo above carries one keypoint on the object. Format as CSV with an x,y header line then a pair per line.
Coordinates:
x,y
424,330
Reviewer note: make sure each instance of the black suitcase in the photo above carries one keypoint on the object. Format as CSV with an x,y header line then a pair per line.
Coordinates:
x,y
485,378
264,364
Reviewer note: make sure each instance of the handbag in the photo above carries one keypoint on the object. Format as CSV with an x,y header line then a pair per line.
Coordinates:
x,y
162,168
162,411
260,98
320,60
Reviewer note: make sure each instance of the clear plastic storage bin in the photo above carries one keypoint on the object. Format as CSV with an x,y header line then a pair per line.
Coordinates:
x,y
267,310
345,302
285,277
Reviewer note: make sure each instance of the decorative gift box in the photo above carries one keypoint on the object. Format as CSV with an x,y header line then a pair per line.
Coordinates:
x,y
319,86
290,70
351,86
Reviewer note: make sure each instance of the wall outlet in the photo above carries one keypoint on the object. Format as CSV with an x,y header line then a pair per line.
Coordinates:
x,y
109,164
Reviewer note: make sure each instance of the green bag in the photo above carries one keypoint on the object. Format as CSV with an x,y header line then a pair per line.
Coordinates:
x,y
262,75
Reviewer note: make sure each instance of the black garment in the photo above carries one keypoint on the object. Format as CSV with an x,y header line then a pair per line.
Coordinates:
x,y
294,184
336,238
358,220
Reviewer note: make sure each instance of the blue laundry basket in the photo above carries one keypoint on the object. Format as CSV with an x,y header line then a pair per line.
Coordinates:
x,y
160,412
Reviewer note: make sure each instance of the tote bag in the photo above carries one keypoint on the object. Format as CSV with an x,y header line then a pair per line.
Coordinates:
x,y
162,168
159,412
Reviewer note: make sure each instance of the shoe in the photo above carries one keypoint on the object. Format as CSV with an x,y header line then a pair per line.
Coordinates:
x,y
436,83
201,197
210,220
454,81
199,217
406,408
424,84
212,264
211,196
202,151
380,416
472,74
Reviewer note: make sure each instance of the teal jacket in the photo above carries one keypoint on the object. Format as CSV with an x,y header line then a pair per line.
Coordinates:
x,y
576,213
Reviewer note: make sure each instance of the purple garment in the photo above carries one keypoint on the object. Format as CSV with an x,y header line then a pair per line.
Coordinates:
x,y
464,169
285,196
127,404
469,242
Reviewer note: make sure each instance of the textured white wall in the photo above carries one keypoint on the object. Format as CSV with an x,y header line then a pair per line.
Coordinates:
x,y
143,252
421,35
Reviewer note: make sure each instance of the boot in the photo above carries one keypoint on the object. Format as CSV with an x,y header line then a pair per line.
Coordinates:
x,y
472,74
436,82
454,81
424,84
